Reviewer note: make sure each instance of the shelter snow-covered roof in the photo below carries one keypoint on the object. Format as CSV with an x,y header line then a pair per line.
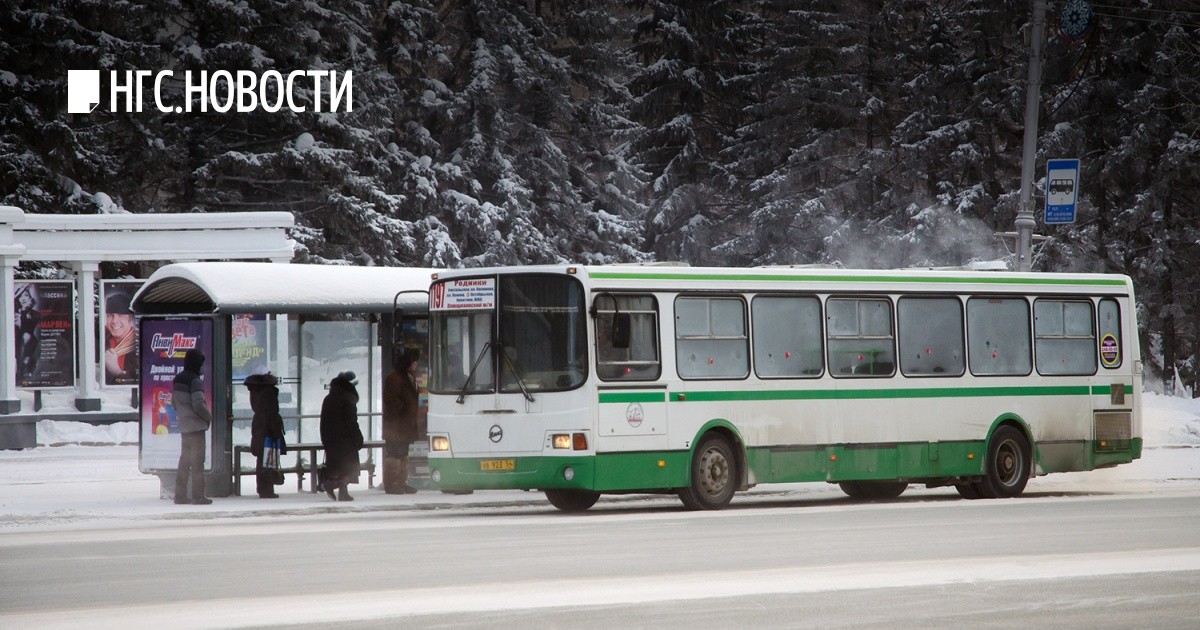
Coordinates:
x,y
259,287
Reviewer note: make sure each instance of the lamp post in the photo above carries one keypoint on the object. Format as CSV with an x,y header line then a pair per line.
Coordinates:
x,y
1025,221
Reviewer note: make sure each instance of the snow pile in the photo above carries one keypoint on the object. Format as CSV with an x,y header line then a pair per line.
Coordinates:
x,y
1170,421
62,432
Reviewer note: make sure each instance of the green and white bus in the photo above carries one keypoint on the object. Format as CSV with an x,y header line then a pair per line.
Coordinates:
x,y
585,380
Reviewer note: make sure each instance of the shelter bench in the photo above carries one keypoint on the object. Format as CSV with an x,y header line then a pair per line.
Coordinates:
x,y
301,467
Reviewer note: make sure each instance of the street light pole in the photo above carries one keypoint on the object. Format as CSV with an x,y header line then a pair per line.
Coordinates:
x,y
1025,221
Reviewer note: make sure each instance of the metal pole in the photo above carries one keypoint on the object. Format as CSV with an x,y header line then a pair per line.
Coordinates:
x,y
1025,221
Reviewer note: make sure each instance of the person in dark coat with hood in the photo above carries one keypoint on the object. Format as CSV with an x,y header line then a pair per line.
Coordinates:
x,y
340,435
191,409
266,425
401,408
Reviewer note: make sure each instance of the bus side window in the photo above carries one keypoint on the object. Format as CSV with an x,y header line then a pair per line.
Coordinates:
x,y
931,336
860,337
635,357
711,339
998,336
787,336
1064,338
1110,333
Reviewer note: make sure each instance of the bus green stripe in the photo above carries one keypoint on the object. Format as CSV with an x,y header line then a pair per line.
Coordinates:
x,y
633,397
868,394
620,275
1103,390
863,394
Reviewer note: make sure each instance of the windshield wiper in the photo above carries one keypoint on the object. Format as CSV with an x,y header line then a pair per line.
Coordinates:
x,y
462,394
512,367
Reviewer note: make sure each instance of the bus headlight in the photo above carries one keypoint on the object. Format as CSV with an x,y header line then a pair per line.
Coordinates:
x,y
568,473
569,441
436,476
439,443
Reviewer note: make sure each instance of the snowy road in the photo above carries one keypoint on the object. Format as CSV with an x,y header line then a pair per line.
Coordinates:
x,y
1058,557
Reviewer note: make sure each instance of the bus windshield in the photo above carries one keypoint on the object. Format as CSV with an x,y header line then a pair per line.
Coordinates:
x,y
535,340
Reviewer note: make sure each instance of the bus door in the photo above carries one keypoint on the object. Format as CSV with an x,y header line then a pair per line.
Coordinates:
x,y
632,401
1112,386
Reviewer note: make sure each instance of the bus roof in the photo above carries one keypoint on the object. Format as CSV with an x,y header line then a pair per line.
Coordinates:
x,y
744,277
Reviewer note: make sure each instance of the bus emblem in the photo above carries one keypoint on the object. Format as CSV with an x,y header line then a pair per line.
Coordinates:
x,y
634,414
495,433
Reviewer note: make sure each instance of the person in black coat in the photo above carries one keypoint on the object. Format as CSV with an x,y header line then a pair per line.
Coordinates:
x,y
266,425
340,435
401,413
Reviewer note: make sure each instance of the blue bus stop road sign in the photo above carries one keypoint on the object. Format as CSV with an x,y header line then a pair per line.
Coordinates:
x,y
1062,190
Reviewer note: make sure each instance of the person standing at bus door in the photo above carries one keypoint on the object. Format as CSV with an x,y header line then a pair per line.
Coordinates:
x,y
267,424
340,435
194,417
401,408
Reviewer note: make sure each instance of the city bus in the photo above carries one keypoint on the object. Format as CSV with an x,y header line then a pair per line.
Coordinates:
x,y
579,381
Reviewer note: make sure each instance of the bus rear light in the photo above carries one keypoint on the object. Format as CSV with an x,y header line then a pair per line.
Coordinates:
x,y
579,441
439,443
561,440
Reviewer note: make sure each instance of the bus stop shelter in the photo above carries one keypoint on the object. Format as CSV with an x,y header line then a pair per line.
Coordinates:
x,y
303,323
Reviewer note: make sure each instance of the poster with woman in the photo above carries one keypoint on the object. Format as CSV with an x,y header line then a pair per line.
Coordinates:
x,y
44,322
119,342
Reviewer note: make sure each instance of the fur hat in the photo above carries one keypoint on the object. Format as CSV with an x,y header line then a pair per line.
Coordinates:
x,y
261,380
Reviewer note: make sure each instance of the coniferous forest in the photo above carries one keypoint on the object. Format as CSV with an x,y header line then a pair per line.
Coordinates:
x,y
864,134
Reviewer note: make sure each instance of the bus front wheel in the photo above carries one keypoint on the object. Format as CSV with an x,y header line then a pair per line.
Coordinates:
x,y
714,475
572,500
1006,469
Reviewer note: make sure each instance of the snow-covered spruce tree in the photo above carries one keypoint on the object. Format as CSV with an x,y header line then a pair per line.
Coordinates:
x,y
1150,171
800,126
511,167
940,167
334,172
55,162
688,111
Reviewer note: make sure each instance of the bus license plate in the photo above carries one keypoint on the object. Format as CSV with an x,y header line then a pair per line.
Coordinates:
x,y
497,464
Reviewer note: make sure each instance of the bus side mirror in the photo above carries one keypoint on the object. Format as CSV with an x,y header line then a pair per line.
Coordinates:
x,y
621,325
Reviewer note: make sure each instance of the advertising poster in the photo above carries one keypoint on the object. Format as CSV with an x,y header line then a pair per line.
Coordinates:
x,y
248,345
119,334
44,322
164,343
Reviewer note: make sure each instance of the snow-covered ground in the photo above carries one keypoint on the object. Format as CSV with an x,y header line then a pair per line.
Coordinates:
x,y
91,479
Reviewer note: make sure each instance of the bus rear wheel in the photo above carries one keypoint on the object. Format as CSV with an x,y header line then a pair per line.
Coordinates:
x,y
873,490
714,475
572,500
1006,469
